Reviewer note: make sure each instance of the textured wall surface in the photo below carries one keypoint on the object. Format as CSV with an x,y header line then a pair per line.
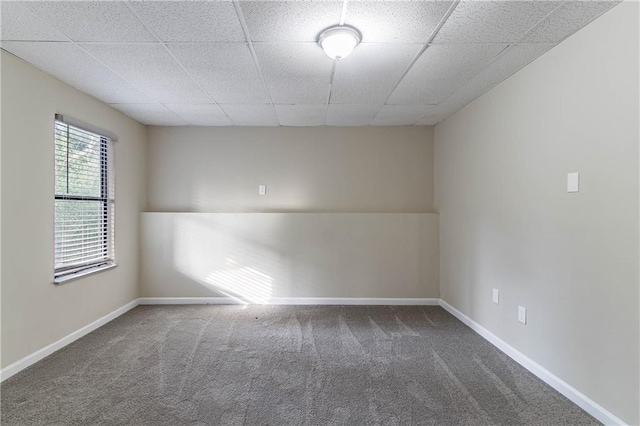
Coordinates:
x,y
312,169
258,256
35,312
507,221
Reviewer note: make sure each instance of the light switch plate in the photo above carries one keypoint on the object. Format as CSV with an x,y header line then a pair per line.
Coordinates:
x,y
496,296
573,182
522,314
262,190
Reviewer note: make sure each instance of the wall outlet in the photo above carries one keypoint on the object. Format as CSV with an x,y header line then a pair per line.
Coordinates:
x,y
522,314
496,296
262,190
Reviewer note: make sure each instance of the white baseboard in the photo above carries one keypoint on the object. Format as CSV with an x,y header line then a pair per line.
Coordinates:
x,y
290,301
354,301
577,397
552,380
188,301
31,359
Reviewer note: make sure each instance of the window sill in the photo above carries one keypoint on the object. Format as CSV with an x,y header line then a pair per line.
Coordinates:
x,y
71,277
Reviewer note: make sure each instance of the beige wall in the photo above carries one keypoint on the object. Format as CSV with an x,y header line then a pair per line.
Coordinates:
x,y
36,312
313,169
359,171
259,257
507,221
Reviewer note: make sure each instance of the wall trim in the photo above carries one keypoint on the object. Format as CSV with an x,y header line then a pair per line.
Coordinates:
x,y
289,301
574,395
188,301
577,397
40,354
390,301
29,360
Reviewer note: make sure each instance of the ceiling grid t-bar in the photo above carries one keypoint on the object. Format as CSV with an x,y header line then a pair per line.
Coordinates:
x,y
343,14
164,45
415,59
504,51
245,29
76,44
343,17
447,54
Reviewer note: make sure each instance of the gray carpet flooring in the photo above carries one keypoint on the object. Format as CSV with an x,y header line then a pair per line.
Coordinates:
x,y
282,365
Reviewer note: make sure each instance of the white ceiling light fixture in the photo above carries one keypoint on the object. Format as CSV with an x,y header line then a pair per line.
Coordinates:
x,y
339,41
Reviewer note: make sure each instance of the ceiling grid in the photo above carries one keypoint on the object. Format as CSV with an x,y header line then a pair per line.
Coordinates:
x,y
247,36
343,14
257,63
79,47
166,48
426,46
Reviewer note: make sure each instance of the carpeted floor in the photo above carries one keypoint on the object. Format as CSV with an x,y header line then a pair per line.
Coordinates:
x,y
282,365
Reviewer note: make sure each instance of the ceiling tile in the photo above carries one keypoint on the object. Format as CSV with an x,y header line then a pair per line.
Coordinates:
x,y
492,21
289,20
351,115
151,114
567,19
202,114
190,21
152,69
368,75
225,70
396,21
510,61
68,63
251,115
301,115
120,62
295,73
401,115
20,23
92,20
441,70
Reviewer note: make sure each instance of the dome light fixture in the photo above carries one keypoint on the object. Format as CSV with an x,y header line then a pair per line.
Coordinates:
x,y
338,41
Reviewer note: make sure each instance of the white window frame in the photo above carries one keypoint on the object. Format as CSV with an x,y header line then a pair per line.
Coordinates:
x,y
67,271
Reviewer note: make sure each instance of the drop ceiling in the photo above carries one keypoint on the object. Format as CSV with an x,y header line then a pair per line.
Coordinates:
x,y
256,63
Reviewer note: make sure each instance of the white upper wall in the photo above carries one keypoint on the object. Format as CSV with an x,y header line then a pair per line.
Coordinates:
x,y
507,221
313,169
35,312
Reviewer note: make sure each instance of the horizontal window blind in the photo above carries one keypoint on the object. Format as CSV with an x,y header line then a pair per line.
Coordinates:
x,y
84,199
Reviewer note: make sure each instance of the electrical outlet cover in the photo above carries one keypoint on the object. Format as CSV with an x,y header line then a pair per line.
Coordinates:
x,y
522,314
573,182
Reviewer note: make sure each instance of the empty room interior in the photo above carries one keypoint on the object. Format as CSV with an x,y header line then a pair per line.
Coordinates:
x,y
320,212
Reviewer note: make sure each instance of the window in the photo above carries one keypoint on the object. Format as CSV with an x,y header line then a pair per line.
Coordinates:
x,y
84,201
